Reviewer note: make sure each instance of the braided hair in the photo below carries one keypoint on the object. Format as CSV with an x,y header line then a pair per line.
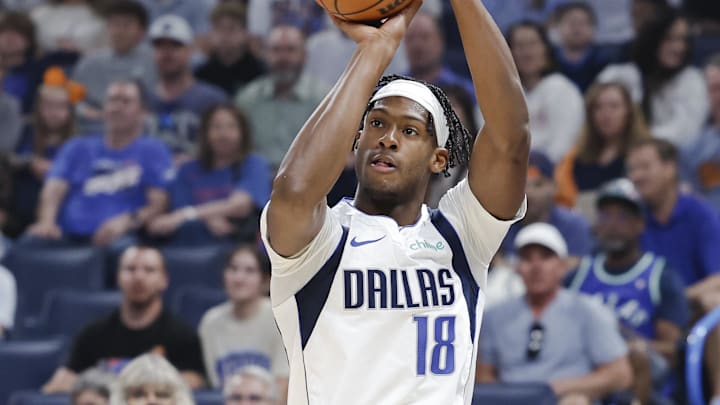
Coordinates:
x,y
460,141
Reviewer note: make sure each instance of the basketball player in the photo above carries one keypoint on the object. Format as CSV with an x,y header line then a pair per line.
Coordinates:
x,y
379,299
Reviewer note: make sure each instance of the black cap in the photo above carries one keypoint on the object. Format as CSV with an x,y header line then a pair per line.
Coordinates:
x,y
623,191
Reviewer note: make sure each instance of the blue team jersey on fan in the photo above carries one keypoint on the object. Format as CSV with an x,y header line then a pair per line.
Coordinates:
x,y
104,182
633,295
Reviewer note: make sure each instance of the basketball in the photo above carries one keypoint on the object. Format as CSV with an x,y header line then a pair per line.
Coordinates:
x,y
363,10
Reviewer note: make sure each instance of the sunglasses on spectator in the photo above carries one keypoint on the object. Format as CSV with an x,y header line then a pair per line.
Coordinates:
x,y
535,341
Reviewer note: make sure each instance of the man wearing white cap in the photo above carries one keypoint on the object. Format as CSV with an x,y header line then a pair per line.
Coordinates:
x,y
379,299
178,100
550,334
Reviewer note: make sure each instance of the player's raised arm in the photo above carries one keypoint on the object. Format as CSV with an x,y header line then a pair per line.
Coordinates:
x,y
316,158
498,165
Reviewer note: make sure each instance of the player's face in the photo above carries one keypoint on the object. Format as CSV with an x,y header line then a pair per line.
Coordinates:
x,y
248,391
150,395
650,175
244,280
541,269
396,153
224,134
617,227
141,276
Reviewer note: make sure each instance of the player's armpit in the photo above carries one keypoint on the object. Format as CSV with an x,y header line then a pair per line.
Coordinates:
x,y
290,228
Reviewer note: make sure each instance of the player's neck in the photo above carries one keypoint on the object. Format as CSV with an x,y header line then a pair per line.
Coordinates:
x,y
140,316
246,309
404,213
623,259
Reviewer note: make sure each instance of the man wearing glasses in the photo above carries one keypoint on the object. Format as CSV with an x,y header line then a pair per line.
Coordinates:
x,y
550,334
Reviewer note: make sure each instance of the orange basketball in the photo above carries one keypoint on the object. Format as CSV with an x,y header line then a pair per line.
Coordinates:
x,y
363,10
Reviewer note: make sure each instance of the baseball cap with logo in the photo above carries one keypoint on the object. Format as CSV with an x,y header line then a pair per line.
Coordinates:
x,y
544,235
172,27
622,191
540,165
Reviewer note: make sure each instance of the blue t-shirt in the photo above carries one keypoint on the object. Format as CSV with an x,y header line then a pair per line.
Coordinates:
x,y
104,182
574,228
690,240
195,185
584,71
639,294
177,122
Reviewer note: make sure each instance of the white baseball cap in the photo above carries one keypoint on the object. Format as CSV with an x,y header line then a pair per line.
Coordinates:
x,y
544,235
173,27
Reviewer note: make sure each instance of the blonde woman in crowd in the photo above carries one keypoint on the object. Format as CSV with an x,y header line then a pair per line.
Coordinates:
x,y
150,379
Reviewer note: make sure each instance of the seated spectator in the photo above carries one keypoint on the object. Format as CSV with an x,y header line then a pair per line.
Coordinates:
x,y
682,228
701,162
266,15
68,25
140,325
250,384
91,388
178,100
10,116
51,125
126,57
19,58
194,12
8,302
242,331
102,189
464,106
231,64
612,123
550,334
150,380
554,125
541,191
425,48
646,296
671,93
578,57
218,196
284,92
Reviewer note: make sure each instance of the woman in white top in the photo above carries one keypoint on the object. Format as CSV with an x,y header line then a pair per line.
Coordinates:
x,y
554,102
671,93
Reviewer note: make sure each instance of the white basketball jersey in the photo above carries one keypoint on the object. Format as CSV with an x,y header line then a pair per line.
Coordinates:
x,y
371,313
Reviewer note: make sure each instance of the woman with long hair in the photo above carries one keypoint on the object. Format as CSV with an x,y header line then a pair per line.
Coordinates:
x,y
612,124
554,102
661,80
218,196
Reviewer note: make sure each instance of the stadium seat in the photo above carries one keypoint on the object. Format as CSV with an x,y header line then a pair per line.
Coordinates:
x,y
208,398
41,270
27,365
66,312
694,356
191,303
194,266
38,398
513,394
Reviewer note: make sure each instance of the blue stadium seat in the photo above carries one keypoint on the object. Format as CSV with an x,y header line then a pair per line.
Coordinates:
x,y
28,365
38,398
66,312
694,356
513,394
191,303
208,398
194,266
40,270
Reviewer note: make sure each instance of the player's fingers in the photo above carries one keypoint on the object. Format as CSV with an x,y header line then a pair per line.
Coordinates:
x,y
408,13
398,23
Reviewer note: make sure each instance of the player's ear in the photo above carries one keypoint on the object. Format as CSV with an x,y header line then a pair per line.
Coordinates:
x,y
357,138
440,160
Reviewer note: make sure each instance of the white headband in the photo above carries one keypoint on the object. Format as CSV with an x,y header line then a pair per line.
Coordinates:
x,y
422,95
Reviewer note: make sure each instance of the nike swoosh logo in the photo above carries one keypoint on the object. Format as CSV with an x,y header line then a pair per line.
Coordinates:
x,y
355,243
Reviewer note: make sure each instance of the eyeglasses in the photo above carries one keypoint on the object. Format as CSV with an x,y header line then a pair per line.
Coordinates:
x,y
535,341
249,398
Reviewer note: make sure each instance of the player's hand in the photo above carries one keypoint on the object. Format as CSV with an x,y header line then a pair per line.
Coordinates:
x,y
393,29
112,229
166,224
45,230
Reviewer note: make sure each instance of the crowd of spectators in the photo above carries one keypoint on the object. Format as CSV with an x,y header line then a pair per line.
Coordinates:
x,y
135,125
